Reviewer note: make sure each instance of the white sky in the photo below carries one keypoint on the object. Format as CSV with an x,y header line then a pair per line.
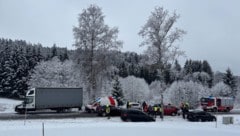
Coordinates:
x,y
212,26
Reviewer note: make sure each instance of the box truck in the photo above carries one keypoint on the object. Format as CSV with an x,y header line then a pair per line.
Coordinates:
x,y
58,99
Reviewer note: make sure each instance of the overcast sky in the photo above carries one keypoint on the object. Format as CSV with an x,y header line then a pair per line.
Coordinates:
x,y
213,31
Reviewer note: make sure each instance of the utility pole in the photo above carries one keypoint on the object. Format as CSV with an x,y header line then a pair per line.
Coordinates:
x,y
162,106
42,128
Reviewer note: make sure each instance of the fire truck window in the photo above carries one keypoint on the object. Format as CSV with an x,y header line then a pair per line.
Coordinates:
x,y
218,102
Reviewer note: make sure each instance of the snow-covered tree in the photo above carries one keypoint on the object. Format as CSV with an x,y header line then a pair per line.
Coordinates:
x,y
156,89
181,91
221,89
230,80
160,36
54,73
95,38
117,91
135,89
237,100
207,68
201,77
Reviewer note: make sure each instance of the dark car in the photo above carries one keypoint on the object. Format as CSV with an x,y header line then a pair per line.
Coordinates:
x,y
114,111
135,116
200,116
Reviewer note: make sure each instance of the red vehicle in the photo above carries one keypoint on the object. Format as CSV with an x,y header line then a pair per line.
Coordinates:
x,y
170,110
167,109
217,104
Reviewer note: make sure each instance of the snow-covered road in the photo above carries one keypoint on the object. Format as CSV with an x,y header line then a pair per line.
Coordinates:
x,y
171,126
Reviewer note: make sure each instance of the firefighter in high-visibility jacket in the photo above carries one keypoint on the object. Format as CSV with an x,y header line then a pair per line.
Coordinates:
x,y
155,110
108,111
185,109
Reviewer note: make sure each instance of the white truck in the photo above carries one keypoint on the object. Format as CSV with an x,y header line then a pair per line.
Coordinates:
x,y
58,99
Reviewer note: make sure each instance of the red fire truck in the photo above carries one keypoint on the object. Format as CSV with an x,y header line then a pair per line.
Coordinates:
x,y
217,104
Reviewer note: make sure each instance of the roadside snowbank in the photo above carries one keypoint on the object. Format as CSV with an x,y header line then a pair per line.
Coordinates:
x,y
8,105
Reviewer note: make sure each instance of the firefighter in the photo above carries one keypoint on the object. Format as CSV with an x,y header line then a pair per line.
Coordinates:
x,y
185,109
144,106
128,105
155,110
108,111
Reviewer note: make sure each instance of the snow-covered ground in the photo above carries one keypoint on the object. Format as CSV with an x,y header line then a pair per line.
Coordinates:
x,y
8,105
171,126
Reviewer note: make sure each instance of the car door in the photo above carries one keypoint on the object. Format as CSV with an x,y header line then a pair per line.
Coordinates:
x,y
138,116
203,116
134,116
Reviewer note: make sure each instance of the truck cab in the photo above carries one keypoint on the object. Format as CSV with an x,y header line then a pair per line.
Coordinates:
x,y
29,102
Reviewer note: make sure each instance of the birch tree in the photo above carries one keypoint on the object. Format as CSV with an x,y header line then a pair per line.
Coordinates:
x,y
160,36
95,38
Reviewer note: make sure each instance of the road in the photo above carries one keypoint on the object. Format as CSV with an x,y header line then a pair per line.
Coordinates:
x,y
45,115
81,114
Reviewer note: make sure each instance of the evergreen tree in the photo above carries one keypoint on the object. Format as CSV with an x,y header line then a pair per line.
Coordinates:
x,y
117,91
207,68
229,80
54,51
177,66
167,74
123,72
188,67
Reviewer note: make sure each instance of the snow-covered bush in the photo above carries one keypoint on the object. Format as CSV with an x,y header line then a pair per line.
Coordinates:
x,y
135,89
54,73
220,89
182,91
237,100
156,89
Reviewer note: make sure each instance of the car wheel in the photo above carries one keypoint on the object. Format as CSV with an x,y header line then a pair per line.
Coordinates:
x,y
104,114
128,120
174,114
214,119
199,120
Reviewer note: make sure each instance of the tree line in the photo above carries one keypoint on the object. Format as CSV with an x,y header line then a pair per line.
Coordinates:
x,y
97,60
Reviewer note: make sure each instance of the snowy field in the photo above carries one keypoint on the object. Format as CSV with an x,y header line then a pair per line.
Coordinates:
x,y
171,126
8,105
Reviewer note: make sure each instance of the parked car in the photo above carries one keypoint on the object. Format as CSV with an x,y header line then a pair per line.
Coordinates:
x,y
135,105
200,116
168,109
114,111
135,116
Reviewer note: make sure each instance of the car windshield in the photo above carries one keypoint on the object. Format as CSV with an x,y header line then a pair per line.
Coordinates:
x,y
135,104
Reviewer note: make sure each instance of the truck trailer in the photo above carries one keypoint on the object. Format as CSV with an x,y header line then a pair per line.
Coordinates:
x,y
58,99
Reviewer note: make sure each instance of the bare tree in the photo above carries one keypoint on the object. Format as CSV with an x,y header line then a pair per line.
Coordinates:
x,y
95,38
160,35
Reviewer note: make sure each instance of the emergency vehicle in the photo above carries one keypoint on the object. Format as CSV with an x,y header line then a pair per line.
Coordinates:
x,y
222,104
101,101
